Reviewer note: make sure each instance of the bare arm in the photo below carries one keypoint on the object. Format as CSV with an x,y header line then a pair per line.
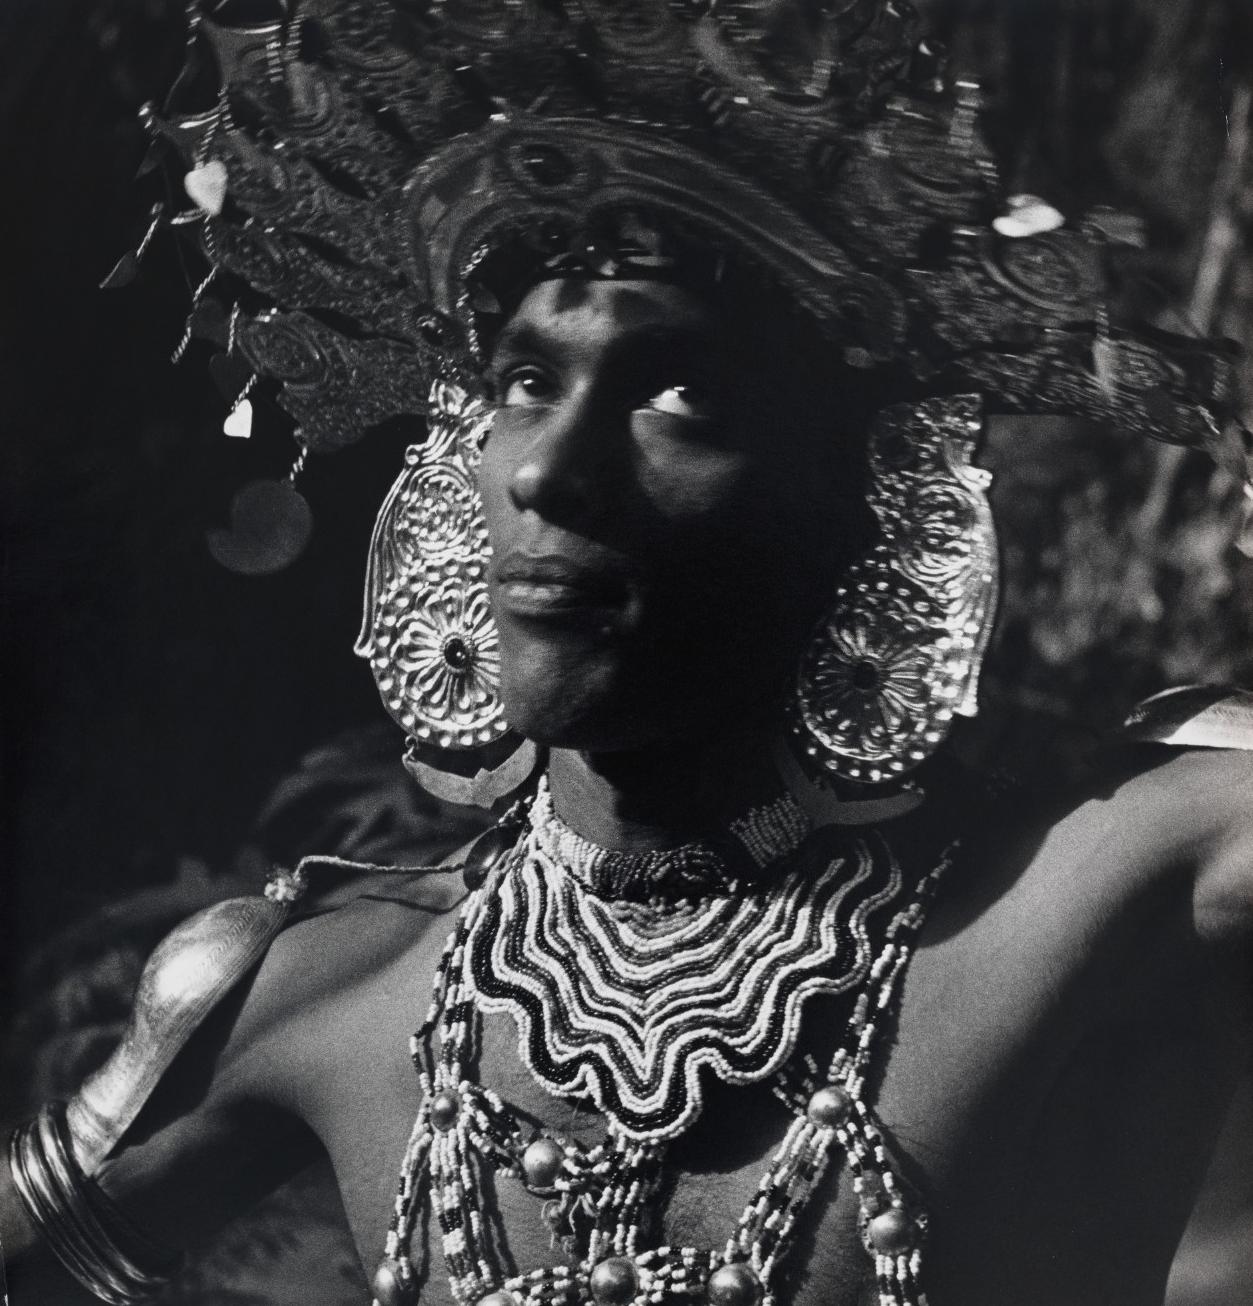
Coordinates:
x,y
212,1140
1223,902
172,1136
1209,802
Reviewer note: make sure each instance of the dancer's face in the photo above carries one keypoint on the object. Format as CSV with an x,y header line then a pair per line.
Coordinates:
x,y
656,520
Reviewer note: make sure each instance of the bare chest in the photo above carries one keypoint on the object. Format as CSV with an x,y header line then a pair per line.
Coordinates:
x,y
1025,1095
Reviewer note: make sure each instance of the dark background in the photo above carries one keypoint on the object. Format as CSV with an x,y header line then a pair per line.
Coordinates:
x,y
152,700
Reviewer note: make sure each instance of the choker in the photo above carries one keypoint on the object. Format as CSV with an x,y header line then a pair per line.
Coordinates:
x,y
746,855
629,1003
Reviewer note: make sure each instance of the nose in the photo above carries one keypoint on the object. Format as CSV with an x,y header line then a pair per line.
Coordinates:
x,y
558,475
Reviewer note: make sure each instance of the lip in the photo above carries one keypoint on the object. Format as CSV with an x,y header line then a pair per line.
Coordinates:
x,y
553,586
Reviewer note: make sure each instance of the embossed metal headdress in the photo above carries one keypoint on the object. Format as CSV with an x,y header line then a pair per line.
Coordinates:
x,y
359,164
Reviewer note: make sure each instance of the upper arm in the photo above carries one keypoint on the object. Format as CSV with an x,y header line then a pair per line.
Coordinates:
x,y
1223,900
208,1144
236,1113
204,1145
1193,815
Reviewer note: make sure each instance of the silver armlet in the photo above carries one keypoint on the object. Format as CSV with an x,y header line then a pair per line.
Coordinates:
x,y
53,1191
54,1156
190,972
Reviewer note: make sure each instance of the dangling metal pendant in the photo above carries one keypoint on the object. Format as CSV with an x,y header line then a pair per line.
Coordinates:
x,y
238,422
492,845
230,374
125,269
270,526
205,185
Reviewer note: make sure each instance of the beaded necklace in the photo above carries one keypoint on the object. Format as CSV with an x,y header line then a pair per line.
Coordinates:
x,y
628,1003
599,1201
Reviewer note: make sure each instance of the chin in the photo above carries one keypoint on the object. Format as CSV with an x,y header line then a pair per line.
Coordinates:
x,y
600,696
595,728
580,711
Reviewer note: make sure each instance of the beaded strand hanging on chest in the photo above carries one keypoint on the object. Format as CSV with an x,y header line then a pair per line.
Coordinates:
x,y
600,1201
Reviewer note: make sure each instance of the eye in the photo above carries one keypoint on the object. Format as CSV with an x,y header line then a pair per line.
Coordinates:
x,y
689,401
521,387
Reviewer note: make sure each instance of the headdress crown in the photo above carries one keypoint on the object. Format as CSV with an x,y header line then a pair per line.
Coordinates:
x,y
361,159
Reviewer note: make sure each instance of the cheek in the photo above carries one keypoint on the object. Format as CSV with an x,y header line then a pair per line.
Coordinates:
x,y
492,479
695,491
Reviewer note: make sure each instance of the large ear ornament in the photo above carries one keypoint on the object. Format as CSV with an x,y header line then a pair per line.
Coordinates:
x,y
898,653
427,628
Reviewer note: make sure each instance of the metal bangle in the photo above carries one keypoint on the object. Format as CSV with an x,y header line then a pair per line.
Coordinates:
x,y
53,1191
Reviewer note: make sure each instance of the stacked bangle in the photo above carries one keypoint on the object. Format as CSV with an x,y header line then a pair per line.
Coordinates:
x,y
55,1194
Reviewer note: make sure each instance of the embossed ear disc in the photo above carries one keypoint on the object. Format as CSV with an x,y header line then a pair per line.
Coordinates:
x,y
270,526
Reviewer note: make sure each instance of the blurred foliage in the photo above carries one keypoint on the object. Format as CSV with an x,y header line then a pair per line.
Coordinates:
x,y
1123,567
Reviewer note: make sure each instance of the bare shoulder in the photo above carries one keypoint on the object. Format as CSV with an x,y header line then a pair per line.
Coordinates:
x,y
1215,808
341,947
1186,813
236,1047
227,1118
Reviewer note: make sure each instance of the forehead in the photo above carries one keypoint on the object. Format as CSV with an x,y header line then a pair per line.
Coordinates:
x,y
599,313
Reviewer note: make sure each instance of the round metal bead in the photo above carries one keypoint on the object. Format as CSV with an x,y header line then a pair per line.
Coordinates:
x,y
829,1106
391,1288
614,1282
499,1298
541,1163
734,1285
891,1232
445,1108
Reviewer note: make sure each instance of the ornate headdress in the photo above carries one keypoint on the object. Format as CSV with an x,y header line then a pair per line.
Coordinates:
x,y
357,168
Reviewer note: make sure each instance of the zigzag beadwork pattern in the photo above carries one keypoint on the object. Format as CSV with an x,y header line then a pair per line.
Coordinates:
x,y
628,1005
